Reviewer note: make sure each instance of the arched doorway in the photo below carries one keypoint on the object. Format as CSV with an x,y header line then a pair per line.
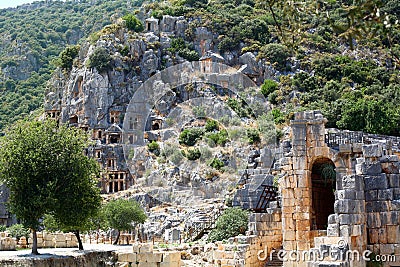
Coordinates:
x,y
323,180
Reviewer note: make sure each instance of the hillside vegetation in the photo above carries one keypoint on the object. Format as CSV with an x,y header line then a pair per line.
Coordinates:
x,y
33,35
341,57
338,56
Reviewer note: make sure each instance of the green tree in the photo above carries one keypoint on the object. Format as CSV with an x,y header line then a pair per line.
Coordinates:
x,y
231,223
67,56
100,59
133,23
46,172
268,87
189,137
123,214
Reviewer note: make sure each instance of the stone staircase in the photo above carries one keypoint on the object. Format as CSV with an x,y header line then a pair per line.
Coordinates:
x,y
199,228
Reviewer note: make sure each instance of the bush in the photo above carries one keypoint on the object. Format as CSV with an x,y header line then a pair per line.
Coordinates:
x,y
18,231
100,59
179,46
217,164
231,223
192,154
189,55
189,137
277,54
154,147
253,136
133,23
279,117
219,138
67,56
211,125
268,87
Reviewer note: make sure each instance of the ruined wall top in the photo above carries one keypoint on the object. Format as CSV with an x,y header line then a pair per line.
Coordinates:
x,y
309,116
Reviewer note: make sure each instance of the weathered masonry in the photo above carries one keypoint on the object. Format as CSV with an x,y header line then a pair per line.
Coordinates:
x,y
340,191
338,198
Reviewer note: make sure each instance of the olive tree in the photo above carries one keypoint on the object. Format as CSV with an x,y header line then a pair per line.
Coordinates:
x,y
123,214
46,171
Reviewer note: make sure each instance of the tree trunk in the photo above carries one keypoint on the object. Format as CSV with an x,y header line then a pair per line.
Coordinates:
x,y
78,237
34,245
116,240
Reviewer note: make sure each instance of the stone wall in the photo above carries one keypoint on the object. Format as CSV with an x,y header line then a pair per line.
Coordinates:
x,y
7,242
253,250
55,240
143,255
380,174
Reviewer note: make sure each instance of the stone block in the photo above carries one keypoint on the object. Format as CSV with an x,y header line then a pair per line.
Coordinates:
x,y
373,236
148,264
357,148
386,249
351,218
395,205
352,182
382,235
385,194
170,264
396,193
333,218
289,235
149,257
376,206
127,257
345,148
393,234
146,248
376,182
371,168
345,206
346,194
372,151
394,180
332,230
373,220
371,195
391,167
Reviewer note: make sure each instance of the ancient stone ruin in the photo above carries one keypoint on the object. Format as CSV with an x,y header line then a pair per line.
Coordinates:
x,y
339,198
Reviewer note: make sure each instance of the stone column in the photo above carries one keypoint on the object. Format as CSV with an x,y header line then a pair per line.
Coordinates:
x,y
308,131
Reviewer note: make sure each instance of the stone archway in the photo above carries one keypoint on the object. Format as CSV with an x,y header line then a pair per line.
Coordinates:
x,y
323,184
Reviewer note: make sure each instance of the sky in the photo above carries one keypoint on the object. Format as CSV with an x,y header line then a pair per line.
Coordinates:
x,y
13,3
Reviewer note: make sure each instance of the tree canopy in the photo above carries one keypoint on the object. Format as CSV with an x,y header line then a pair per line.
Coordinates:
x,y
44,167
122,214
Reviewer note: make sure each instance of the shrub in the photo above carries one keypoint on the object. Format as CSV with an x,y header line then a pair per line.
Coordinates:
x,y
189,137
100,59
192,154
279,117
219,138
189,55
211,125
154,147
268,87
179,46
18,231
217,164
231,223
277,54
67,56
253,136
133,23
